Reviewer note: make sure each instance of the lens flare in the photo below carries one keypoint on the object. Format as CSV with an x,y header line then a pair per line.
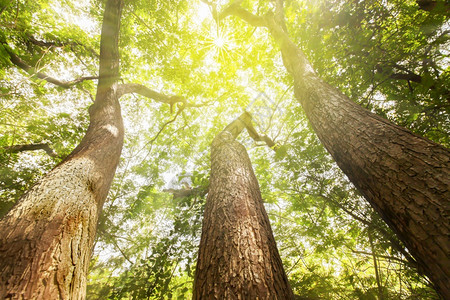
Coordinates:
x,y
220,42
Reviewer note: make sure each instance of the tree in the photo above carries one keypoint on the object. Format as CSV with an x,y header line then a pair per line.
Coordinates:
x,y
28,57
386,57
146,242
48,236
405,177
238,257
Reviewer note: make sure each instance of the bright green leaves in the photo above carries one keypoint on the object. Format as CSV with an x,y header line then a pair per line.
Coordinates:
x,y
147,240
385,56
159,250
281,152
28,117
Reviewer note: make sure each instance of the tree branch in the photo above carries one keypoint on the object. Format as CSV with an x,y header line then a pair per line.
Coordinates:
x,y
278,32
236,10
32,147
427,5
5,6
410,77
149,93
142,90
31,39
245,121
164,126
394,243
183,193
260,138
113,240
16,60
380,256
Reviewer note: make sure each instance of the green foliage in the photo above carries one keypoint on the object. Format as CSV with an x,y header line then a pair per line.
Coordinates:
x,y
147,241
159,267
389,57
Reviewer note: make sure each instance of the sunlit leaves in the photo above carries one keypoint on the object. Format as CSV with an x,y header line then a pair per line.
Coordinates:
x,y
385,55
147,241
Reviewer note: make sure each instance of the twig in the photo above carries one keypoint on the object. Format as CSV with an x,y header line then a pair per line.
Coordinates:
x,y
32,147
16,60
183,193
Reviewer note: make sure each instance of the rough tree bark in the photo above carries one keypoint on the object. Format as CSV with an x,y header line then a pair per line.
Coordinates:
x,y
405,177
47,238
238,257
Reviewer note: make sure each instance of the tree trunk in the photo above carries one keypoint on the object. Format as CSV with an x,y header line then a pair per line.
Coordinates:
x,y
238,257
47,237
405,177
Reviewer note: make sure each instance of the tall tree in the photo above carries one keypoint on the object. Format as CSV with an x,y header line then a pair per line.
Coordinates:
x,y
405,177
386,57
238,257
48,236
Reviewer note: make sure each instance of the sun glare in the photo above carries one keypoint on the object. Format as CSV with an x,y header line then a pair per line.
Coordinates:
x,y
219,42
216,40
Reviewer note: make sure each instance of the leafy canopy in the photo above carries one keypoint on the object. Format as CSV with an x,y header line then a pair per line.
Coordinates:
x,y
389,57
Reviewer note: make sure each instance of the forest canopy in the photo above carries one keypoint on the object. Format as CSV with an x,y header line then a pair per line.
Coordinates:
x,y
390,57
